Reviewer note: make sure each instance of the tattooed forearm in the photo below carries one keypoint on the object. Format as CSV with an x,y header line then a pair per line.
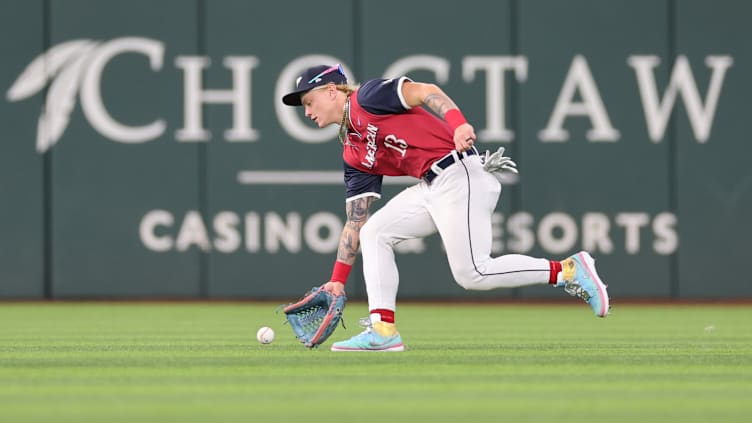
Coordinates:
x,y
357,210
439,103
349,241
348,247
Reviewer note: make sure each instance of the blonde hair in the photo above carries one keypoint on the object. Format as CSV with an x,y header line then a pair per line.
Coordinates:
x,y
347,88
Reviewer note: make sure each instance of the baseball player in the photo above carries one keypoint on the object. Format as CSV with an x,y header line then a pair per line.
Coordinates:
x,y
385,129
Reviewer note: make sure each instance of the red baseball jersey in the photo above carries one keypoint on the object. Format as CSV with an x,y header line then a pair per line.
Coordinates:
x,y
387,137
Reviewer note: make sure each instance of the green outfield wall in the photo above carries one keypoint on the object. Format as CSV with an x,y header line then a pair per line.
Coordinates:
x,y
145,151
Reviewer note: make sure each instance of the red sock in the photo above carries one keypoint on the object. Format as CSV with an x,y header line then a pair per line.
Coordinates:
x,y
386,315
555,269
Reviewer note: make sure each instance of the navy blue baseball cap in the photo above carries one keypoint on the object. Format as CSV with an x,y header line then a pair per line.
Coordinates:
x,y
316,76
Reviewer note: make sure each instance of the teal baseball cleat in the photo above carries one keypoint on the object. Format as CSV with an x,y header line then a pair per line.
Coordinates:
x,y
378,337
582,281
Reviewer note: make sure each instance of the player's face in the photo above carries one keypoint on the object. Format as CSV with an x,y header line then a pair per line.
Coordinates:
x,y
319,107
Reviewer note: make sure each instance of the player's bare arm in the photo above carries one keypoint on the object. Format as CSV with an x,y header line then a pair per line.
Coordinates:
x,y
349,241
431,96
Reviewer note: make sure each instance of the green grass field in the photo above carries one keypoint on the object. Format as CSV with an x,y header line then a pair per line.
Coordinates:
x,y
200,362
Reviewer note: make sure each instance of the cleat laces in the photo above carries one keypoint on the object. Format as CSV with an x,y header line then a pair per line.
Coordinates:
x,y
365,323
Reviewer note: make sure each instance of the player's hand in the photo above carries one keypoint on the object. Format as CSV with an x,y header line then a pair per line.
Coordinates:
x,y
464,137
336,288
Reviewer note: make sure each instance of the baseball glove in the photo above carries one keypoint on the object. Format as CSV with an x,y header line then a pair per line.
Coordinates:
x,y
315,317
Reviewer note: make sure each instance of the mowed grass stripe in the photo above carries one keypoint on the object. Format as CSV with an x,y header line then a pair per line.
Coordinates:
x,y
197,362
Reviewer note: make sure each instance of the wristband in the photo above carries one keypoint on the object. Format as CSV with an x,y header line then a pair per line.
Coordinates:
x,y
454,118
340,272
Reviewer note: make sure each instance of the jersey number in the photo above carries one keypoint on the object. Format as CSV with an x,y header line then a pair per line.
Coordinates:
x,y
396,144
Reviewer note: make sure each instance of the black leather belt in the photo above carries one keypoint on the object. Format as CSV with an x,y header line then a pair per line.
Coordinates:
x,y
445,162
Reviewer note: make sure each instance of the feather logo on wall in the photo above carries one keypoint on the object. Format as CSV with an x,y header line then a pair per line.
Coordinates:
x,y
73,70
63,65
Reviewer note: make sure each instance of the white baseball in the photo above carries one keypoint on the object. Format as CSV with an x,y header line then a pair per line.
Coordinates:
x,y
265,335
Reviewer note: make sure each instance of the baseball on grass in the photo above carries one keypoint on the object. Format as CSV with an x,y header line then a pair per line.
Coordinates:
x,y
265,335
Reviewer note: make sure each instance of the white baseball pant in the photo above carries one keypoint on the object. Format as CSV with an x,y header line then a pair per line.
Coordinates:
x,y
459,204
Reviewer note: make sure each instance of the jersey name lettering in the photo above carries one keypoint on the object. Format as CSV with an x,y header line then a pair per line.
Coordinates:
x,y
371,146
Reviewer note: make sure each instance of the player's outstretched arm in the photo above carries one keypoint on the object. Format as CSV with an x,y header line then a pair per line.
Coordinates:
x,y
349,241
431,96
